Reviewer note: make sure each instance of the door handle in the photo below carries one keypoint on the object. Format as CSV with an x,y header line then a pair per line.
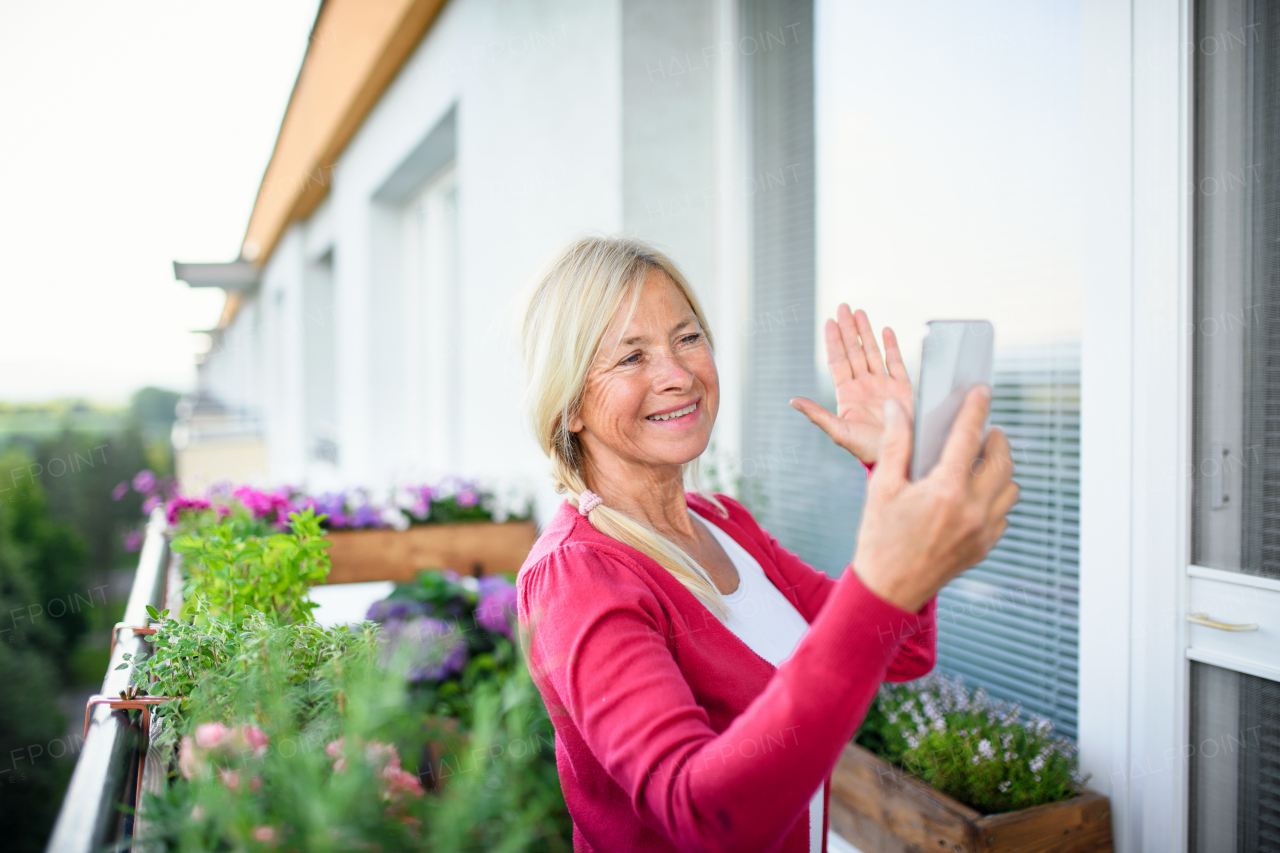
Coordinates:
x,y
1203,619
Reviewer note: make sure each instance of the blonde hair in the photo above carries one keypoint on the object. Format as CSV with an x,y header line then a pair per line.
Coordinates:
x,y
572,307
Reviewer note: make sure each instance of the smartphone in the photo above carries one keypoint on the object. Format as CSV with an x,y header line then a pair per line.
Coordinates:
x,y
956,356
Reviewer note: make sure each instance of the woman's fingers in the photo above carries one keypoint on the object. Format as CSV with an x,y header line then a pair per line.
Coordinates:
x,y
849,335
893,356
837,357
1004,501
825,421
961,448
875,364
895,446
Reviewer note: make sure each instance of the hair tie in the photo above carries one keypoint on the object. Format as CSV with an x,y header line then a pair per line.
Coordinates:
x,y
588,501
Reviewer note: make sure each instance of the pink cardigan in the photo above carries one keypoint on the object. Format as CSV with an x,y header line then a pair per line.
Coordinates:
x,y
671,734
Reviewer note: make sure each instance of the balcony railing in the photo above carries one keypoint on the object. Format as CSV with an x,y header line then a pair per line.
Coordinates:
x,y
106,772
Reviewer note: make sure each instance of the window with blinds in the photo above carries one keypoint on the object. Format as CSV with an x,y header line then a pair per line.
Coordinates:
x,y
1011,623
804,489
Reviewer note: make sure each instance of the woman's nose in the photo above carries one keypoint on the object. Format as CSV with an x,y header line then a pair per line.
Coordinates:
x,y
671,373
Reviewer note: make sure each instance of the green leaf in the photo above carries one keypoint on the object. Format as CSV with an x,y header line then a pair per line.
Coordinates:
x,y
152,612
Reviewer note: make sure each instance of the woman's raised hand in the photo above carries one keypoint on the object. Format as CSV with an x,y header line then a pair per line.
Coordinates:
x,y
917,536
863,384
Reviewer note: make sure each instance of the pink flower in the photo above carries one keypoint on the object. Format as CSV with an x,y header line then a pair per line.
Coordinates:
x,y
256,737
265,834
151,503
400,782
209,735
230,778
334,750
386,764
133,540
120,490
188,761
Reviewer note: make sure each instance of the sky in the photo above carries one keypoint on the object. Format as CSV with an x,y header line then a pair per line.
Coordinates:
x,y
134,135
949,172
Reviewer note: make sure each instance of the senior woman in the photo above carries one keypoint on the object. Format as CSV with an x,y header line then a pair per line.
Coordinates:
x,y
701,678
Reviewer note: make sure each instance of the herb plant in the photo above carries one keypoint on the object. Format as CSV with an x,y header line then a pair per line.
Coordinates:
x,y
970,748
313,752
231,575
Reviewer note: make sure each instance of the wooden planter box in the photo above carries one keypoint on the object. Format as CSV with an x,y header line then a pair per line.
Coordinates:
x,y
882,809
476,548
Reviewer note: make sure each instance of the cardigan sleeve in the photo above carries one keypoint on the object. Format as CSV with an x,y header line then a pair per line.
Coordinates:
x,y
917,632
598,644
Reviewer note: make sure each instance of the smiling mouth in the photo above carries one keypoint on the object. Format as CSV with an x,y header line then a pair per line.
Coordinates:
x,y
678,413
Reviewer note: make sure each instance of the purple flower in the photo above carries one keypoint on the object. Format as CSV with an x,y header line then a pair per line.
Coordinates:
x,y
431,648
133,540
120,490
366,516
393,609
331,504
144,481
496,609
491,583
468,497
151,503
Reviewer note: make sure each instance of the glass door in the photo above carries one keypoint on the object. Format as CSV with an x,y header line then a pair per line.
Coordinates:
x,y
1234,582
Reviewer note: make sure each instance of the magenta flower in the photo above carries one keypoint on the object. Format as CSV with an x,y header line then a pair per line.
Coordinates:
x,y
144,481
151,503
120,490
180,504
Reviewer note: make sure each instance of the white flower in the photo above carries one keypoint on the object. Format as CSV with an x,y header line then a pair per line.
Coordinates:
x,y
985,750
394,518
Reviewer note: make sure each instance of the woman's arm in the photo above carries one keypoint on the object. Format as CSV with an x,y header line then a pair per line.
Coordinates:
x,y
919,636
599,649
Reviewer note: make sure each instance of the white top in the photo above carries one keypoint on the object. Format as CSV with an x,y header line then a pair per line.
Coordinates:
x,y
762,618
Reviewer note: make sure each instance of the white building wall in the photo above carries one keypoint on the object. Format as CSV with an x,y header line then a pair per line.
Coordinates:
x,y
539,160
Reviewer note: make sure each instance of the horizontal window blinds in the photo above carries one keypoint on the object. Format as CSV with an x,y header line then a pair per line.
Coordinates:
x,y
804,489
1011,623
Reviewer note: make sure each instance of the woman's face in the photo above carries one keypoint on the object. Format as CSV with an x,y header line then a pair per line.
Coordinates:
x,y
652,398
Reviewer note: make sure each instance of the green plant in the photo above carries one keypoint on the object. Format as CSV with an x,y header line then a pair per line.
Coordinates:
x,y
294,735
973,749
232,575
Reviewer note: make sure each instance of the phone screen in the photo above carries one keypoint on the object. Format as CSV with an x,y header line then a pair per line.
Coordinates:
x,y
956,356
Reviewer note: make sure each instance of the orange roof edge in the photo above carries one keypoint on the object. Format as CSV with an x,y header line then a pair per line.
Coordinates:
x,y
355,51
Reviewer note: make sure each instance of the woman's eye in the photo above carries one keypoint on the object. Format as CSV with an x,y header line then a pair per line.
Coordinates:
x,y
634,358
688,339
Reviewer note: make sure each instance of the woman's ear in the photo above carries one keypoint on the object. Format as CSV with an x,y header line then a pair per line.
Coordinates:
x,y
576,425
